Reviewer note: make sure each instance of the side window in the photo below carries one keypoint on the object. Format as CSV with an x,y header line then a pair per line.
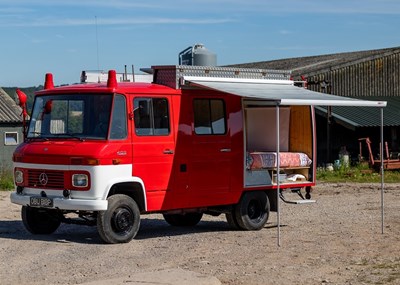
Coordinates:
x,y
151,116
209,117
10,138
119,119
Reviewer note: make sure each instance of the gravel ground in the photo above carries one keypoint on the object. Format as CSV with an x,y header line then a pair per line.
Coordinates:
x,y
337,240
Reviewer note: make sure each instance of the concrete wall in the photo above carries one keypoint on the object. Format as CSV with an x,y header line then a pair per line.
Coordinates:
x,y
7,146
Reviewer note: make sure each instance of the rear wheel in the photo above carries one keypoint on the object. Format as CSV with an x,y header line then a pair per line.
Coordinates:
x,y
40,221
183,220
120,222
252,212
231,219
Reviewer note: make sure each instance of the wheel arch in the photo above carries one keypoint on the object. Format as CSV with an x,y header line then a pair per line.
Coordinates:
x,y
271,194
133,188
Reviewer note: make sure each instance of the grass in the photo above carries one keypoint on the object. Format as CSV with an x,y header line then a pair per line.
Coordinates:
x,y
6,180
385,272
360,173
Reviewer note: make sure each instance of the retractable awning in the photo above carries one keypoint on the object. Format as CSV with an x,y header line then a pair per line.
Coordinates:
x,y
283,92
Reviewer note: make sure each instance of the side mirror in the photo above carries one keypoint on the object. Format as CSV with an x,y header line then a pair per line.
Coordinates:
x,y
22,98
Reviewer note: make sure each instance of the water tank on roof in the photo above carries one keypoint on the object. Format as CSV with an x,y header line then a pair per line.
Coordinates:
x,y
197,55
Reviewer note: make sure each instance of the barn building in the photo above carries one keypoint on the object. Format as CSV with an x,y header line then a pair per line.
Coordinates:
x,y
10,130
371,74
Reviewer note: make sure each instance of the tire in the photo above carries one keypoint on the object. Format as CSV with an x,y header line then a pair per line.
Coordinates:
x,y
40,221
252,212
231,219
183,220
121,221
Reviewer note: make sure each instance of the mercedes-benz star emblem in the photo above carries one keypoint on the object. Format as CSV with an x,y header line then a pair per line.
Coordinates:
x,y
43,179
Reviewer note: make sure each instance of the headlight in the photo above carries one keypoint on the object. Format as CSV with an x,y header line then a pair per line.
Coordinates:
x,y
80,180
18,176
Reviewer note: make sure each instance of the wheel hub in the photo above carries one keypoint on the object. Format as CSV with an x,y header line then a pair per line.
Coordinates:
x,y
254,210
122,220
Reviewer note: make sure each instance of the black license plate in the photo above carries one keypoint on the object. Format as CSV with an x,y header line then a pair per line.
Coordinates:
x,y
41,202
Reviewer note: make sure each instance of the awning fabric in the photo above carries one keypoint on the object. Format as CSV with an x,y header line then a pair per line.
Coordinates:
x,y
282,92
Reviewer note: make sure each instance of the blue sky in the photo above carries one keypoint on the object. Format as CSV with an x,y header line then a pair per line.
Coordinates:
x,y
59,36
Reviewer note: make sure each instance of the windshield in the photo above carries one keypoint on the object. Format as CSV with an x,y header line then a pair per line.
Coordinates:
x,y
80,116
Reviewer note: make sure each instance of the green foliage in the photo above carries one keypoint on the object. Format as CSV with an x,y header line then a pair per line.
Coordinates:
x,y
29,91
359,173
6,181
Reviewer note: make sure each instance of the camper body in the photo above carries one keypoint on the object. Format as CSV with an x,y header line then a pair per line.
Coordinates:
x,y
110,152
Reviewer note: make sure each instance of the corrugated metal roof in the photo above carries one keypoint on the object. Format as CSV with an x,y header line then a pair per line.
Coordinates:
x,y
352,117
311,65
10,112
367,117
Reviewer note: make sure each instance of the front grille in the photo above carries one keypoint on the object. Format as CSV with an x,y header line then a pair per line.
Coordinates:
x,y
46,179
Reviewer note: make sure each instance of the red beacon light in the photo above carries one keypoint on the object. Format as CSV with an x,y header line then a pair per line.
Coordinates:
x,y
22,98
112,79
48,83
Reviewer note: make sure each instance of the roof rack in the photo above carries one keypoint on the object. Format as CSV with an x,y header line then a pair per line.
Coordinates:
x,y
170,75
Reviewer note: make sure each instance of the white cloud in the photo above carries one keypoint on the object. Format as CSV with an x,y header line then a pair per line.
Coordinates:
x,y
285,32
223,6
53,22
40,13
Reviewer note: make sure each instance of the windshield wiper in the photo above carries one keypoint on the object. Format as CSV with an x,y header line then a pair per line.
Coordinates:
x,y
68,135
38,137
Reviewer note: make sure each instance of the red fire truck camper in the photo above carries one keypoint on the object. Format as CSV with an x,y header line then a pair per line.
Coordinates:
x,y
198,140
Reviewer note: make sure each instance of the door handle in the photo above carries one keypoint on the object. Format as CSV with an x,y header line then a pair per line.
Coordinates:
x,y
168,151
225,150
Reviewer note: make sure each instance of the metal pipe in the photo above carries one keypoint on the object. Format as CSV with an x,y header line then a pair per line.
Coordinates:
x,y
277,176
382,176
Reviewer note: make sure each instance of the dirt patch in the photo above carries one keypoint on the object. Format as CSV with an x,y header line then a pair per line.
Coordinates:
x,y
337,240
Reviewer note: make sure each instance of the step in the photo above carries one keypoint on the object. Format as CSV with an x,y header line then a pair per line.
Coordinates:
x,y
297,202
302,201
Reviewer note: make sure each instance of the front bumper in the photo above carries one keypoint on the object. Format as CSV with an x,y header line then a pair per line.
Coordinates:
x,y
63,203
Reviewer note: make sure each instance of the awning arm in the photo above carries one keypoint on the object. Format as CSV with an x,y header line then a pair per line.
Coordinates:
x,y
278,183
382,176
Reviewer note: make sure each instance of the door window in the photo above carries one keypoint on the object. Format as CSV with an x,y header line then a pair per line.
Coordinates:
x,y
151,116
209,117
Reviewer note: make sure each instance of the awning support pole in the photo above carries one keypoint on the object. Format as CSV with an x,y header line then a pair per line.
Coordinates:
x,y
382,175
278,163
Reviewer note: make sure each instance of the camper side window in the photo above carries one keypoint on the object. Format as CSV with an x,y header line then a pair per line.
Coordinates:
x,y
209,116
151,116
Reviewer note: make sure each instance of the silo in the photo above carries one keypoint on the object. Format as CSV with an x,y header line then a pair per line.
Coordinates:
x,y
197,55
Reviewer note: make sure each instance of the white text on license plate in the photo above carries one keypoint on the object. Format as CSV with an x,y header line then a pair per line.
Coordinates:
x,y
41,202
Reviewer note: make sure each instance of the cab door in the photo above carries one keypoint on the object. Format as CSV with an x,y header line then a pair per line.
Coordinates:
x,y
210,163
153,147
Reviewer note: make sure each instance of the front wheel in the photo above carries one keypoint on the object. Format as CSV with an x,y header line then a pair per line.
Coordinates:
x,y
252,212
121,221
40,221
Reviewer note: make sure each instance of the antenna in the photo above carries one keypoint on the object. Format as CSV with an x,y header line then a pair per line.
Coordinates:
x,y
97,46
